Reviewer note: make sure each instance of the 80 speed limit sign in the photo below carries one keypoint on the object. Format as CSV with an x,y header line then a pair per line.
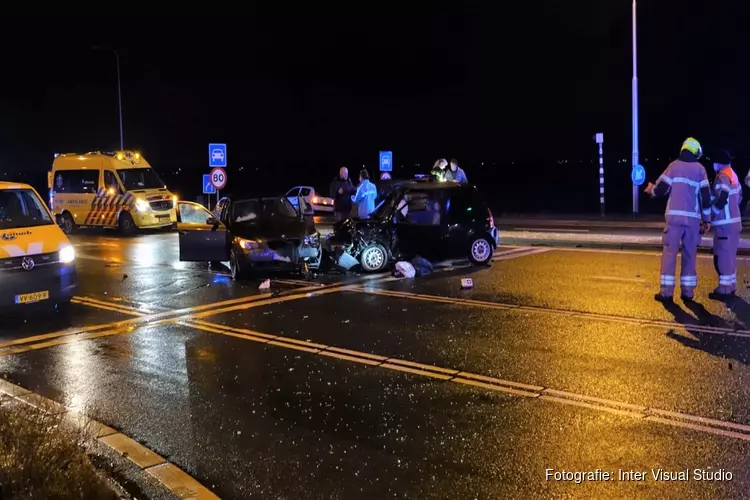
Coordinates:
x,y
218,178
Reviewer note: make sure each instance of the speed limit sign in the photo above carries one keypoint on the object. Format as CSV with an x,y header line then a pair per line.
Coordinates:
x,y
218,178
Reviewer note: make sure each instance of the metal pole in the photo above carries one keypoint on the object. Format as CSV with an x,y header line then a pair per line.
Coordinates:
x,y
119,98
601,177
635,106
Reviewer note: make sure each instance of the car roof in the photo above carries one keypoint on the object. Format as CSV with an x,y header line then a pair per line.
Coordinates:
x,y
13,185
430,186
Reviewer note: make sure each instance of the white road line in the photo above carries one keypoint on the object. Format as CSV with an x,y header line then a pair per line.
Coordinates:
x,y
553,230
522,253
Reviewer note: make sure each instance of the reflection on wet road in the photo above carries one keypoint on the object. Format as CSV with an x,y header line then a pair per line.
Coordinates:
x,y
374,387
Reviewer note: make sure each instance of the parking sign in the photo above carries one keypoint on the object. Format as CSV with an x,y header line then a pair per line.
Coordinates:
x,y
217,155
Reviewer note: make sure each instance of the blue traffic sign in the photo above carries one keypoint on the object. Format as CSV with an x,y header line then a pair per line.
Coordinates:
x,y
217,155
638,175
208,188
386,161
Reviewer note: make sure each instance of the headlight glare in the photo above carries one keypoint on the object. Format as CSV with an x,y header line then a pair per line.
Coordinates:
x,y
142,205
67,254
248,244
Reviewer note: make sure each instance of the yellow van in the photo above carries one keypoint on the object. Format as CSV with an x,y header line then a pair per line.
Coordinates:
x,y
115,190
37,261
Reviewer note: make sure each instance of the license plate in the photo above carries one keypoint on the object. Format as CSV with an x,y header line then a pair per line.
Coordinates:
x,y
162,217
28,298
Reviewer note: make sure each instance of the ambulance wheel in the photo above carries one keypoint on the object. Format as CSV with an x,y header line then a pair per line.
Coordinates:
x,y
67,223
373,258
481,251
126,224
238,271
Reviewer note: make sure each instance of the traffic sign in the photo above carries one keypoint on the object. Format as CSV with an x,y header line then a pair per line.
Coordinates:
x,y
218,178
208,188
599,138
217,155
386,161
638,175
385,176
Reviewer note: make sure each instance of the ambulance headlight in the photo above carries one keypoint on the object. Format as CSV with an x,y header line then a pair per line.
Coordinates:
x,y
142,205
67,254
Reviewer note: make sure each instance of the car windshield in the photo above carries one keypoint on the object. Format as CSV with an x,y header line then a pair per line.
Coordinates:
x,y
250,210
140,178
22,208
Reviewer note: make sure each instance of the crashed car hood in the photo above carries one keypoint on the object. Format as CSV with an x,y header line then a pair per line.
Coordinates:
x,y
272,229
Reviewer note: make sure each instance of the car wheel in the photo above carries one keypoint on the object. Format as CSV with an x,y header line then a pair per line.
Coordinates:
x,y
68,224
126,224
373,258
481,251
238,272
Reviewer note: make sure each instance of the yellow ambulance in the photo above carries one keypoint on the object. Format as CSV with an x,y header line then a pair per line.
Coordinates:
x,y
37,262
115,190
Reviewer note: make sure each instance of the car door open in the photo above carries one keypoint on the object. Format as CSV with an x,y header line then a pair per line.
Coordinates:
x,y
202,237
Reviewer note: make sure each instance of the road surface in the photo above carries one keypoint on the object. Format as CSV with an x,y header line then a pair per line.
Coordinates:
x,y
370,387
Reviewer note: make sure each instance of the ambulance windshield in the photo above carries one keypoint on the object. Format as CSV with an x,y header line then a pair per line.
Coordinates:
x,y
22,208
134,179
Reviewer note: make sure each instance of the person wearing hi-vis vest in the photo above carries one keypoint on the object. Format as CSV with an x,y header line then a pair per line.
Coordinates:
x,y
727,224
688,216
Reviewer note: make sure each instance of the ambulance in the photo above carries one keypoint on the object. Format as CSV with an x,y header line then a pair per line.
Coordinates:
x,y
37,261
112,190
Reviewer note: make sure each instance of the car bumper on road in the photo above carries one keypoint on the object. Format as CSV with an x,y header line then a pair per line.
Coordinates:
x,y
54,283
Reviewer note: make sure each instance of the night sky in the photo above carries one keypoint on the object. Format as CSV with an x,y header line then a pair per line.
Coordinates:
x,y
526,84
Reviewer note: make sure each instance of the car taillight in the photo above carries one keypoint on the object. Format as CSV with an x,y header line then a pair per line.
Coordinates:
x,y
490,219
315,199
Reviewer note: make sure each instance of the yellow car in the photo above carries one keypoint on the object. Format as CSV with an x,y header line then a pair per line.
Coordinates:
x,y
37,261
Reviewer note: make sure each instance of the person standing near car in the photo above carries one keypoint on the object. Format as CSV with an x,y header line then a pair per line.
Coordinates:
x,y
341,192
365,196
457,173
727,223
688,216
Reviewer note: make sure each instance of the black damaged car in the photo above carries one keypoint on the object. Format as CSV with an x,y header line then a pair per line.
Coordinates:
x,y
436,221
252,234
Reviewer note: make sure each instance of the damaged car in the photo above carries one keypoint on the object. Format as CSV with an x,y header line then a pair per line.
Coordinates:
x,y
437,221
263,234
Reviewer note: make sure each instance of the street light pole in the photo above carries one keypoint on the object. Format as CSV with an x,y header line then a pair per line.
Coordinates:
x,y
635,106
119,90
119,98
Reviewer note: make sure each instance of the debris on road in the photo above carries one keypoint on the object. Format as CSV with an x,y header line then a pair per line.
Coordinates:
x,y
404,270
265,285
467,283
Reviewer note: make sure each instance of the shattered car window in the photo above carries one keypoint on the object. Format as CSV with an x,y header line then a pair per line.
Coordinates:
x,y
249,210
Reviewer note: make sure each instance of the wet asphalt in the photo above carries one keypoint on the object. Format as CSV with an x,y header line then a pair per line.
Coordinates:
x,y
349,387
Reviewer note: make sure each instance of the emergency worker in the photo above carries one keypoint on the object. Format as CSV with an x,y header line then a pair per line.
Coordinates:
x,y
727,223
458,173
439,169
688,216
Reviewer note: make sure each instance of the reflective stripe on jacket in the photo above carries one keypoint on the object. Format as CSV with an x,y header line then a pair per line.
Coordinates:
x,y
727,199
689,193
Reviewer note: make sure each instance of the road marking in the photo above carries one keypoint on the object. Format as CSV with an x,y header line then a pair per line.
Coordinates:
x,y
554,230
654,415
617,278
172,477
524,253
715,330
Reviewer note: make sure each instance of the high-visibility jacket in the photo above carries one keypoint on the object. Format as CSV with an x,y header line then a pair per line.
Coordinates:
x,y
727,199
686,182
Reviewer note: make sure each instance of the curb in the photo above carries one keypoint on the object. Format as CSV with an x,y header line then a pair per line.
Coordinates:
x,y
150,464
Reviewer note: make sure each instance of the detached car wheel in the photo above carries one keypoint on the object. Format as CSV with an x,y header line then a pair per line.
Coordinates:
x,y
373,258
481,251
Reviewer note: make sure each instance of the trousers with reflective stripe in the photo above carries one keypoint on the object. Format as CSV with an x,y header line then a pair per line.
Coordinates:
x,y
726,241
686,237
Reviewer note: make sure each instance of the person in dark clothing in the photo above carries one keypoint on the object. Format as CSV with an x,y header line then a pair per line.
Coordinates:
x,y
341,192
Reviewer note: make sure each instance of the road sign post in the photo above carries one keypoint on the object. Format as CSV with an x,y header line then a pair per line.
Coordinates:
x,y
386,161
599,138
